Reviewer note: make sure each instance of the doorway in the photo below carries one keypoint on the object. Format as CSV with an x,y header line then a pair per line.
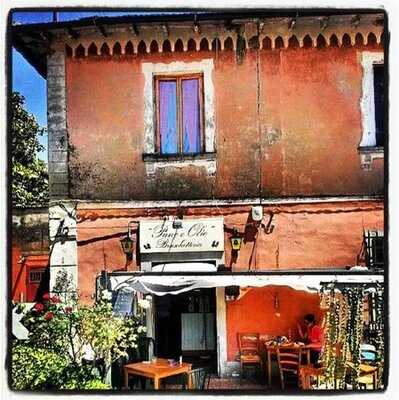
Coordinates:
x,y
185,325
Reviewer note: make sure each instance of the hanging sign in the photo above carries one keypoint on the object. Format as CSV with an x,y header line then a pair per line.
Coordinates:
x,y
123,303
194,235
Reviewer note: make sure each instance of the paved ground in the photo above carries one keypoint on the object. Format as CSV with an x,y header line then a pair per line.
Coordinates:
x,y
235,384
249,383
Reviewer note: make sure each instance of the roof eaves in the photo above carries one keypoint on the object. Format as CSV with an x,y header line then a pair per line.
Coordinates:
x,y
197,14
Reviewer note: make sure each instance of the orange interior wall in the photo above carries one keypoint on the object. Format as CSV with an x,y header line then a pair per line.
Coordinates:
x,y
255,312
299,136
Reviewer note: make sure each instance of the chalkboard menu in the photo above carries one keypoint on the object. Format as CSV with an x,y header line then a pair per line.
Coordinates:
x,y
123,303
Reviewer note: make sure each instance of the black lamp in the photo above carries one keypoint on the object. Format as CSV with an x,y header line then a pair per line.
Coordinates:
x,y
127,244
235,240
232,292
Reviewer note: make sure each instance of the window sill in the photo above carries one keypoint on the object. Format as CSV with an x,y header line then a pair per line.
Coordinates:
x,y
371,149
368,154
178,157
153,162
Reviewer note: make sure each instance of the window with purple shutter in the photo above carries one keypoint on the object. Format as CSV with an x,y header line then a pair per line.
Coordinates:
x,y
179,119
168,117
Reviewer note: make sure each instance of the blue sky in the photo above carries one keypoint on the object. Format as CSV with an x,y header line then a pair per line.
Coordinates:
x,y
34,17
32,86
24,77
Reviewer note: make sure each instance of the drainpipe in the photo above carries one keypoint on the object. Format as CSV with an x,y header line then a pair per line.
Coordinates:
x,y
150,325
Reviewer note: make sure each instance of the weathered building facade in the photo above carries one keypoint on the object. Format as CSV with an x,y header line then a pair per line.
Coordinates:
x,y
187,134
29,254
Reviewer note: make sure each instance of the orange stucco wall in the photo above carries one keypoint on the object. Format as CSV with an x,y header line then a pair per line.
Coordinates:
x,y
298,137
304,236
261,316
312,99
21,265
18,275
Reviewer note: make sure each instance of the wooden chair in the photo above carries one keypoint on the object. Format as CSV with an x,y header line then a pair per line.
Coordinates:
x,y
198,379
368,375
369,379
309,372
248,344
289,361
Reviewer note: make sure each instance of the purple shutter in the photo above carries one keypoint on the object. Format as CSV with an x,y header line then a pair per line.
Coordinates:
x,y
168,117
191,116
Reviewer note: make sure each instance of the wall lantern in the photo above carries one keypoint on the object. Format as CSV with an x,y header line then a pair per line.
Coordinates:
x,y
232,292
276,301
127,244
235,240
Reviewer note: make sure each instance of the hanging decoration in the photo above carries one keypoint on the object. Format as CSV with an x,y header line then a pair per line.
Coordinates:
x,y
335,350
378,327
344,332
355,298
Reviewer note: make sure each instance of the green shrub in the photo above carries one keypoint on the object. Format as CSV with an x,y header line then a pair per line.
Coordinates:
x,y
96,384
76,377
63,335
35,369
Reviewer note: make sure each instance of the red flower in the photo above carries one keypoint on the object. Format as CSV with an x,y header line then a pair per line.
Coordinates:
x,y
68,310
38,307
55,299
46,296
48,316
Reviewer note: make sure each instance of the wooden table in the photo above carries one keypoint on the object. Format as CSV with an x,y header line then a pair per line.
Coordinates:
x,y
155,370
273,349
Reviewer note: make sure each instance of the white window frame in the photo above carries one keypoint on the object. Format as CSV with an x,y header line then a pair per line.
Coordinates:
x,y
204,67
369,59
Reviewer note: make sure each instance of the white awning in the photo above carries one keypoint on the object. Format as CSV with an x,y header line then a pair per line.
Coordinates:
x,y
162,285
185,267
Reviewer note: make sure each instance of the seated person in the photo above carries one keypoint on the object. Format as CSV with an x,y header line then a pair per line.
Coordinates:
x,y
312,336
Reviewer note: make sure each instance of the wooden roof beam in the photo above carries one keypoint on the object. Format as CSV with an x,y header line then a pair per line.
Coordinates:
x,y
165,30
292,23
73,34
102,30
324,22
45,35
355,21
135,29
379,21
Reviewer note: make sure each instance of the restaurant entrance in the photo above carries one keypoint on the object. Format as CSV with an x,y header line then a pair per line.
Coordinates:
x,y
185,325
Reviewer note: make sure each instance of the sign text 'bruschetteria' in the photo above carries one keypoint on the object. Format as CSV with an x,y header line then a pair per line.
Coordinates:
x,y
184,236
